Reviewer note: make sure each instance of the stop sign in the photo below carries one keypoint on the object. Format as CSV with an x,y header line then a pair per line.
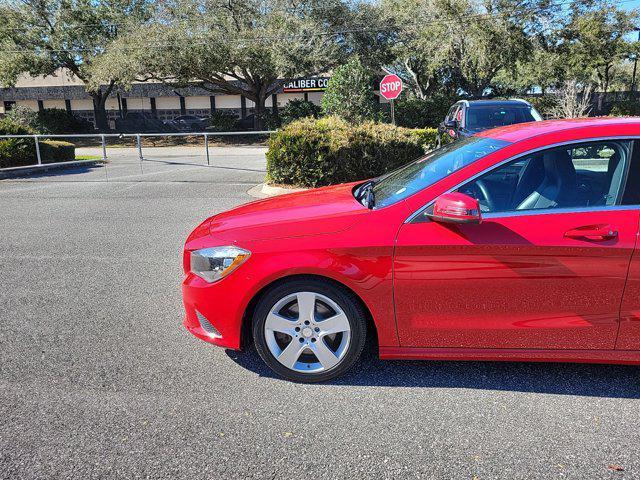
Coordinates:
x,y
390,87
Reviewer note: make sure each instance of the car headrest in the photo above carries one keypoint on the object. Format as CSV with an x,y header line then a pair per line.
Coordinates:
x,y
558,166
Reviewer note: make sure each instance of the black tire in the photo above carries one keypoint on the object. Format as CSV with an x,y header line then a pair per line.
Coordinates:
x,y
342,297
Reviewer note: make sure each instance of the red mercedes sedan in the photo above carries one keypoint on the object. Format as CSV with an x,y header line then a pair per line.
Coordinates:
x,y
518,243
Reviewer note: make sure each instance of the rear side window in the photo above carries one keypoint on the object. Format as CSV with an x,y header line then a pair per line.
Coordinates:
x,y
485,117
632,187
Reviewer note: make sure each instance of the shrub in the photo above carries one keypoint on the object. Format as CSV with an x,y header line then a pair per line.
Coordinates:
x,y
327,151
297,109
23,116
9,127
48,121
53,151
15,152
427,137
222,121
270,121
413,112
58,121
349,94
544,104
572,101
625,108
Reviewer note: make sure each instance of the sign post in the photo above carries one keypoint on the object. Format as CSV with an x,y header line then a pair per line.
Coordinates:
x,y
390,88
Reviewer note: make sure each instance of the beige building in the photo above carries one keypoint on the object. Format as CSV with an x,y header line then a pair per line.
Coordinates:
x,y
161,101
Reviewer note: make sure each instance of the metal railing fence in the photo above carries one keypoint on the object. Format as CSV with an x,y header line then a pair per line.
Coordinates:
x,y
138,143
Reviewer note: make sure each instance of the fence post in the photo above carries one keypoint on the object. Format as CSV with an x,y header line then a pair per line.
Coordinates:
x,y
104,148
139,146
206,146
35,137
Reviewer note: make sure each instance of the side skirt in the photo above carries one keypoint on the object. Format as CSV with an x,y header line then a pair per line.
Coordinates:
x,y
511,355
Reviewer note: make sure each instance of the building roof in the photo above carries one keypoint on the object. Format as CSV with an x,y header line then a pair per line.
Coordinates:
x,y
605,125
63,85
77,92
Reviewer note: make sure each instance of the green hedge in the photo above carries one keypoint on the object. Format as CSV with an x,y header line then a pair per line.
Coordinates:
x,y
16,152
625,108
53,151
296,109
412,112
222,121
327,151
48,121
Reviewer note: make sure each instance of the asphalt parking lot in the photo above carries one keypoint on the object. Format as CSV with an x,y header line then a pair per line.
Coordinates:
x,y
98,378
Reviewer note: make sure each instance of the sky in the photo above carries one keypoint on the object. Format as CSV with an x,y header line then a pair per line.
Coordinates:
x,y
630,4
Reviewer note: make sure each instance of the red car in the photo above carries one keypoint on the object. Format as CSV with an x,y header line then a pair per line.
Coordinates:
x,y
518,243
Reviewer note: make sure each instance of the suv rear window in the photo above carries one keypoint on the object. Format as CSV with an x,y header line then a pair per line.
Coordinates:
x,y
486,116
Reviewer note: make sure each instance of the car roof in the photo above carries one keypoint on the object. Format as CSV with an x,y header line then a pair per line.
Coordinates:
x,y
516,102
523,131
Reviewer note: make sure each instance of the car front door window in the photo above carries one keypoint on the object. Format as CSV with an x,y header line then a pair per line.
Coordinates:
x,y
581,175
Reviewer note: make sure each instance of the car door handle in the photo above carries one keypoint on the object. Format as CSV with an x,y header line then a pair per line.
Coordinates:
x,y
593,232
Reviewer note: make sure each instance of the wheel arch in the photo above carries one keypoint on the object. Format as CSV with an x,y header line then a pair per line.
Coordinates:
x,y
246,333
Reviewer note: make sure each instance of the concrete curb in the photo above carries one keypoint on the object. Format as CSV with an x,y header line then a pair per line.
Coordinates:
x,y
264,190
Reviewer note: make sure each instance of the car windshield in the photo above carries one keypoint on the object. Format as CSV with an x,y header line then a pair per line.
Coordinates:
x,y
434,166
486,116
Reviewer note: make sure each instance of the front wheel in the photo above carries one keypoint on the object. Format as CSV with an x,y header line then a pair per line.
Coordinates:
x,y
309,330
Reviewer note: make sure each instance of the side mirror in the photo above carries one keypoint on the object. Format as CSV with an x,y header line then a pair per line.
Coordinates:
x,y
451,124
455,208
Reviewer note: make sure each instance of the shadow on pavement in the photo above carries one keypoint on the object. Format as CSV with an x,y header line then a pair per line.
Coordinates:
x,y
614,381
170,162
58,171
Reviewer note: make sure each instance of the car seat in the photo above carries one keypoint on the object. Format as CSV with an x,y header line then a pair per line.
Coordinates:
x,y
559,186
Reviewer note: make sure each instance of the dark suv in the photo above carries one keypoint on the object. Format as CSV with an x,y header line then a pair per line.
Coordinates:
x,y
467,117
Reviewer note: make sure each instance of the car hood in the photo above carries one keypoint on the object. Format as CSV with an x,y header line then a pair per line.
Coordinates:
x,y
311,212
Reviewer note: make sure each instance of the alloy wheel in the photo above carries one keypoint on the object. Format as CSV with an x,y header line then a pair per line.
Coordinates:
x,y
307,332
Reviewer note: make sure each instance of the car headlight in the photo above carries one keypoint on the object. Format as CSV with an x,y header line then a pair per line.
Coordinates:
x,y
213,264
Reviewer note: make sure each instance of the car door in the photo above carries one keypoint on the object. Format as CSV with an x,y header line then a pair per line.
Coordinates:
x,y
545,269
629,333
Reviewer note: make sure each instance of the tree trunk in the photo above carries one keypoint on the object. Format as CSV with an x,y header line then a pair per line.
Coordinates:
x,y
100,111
259,113
99,105
419,88
605,90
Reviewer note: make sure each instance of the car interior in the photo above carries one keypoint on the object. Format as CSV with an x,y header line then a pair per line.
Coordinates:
x,y
572,176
